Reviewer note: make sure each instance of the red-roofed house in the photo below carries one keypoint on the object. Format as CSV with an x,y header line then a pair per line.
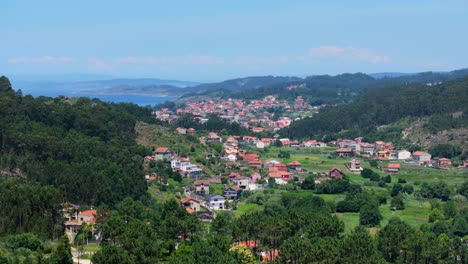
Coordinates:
x,y
162,153
202,187
250,156
295,165
257,164
421,156
393,167
190,203
281,167
335,173
444,162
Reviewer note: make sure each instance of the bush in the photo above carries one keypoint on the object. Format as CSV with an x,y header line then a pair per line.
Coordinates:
x,y
397,203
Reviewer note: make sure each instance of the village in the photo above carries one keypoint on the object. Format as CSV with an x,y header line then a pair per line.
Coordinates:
x,y
256,116
253,168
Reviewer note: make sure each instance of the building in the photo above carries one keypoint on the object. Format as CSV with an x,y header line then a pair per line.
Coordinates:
x,y
181,130
355,165
444,162
421,156
215,202
392,167
162,153
335,173
295,165
191,204
202,187
232,193
344,152
403,155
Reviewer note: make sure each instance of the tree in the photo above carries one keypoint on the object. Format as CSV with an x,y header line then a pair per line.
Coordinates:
x,y
408,188
62,253
463,189
369,215
450,211
396,189
308,184
373,163
397,203
296,250
366,173
110,254
243,255
359,247
390,238
435,215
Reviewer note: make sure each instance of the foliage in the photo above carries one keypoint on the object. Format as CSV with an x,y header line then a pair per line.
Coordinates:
x,y
381,107
369,214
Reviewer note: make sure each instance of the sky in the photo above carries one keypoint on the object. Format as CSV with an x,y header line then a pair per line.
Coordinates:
x,y
215,40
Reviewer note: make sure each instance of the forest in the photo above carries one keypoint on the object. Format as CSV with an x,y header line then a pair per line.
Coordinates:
x,y
386,106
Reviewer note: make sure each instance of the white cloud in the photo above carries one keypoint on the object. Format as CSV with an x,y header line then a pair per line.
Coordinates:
x,y
41,59
349,53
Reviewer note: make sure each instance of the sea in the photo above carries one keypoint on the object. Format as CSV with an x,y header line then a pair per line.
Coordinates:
x,y
141,100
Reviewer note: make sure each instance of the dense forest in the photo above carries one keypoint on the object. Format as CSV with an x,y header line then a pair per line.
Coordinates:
x,y
385,106
84,147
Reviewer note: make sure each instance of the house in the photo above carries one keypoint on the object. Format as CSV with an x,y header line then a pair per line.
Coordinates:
x,y
260,144
367,148
274,172
335,173
319,180
181,130
295,165
191,204
444,162
251,244
257,164
162,153
403,155
205,216
270,163
191,130
285,142
213,137
232,193
344,152
251,156
74,219
392,167
383,154
355,165
242,182
421,156
281,167
202,187
255,177
215,202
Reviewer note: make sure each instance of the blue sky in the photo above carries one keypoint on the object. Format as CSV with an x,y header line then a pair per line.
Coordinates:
x,y
215,40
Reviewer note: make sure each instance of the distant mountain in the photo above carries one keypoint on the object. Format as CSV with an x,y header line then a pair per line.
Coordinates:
x,y
320,89
381,75
238,85
109,86
150,90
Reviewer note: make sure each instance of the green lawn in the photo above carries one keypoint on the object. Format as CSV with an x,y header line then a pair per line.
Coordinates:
x,y
246,208
92,247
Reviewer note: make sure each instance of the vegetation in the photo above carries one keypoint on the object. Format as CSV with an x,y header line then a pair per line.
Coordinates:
x,y
382,107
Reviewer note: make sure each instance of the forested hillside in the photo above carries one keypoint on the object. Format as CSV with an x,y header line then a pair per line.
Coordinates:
x,y
388,105
319,89
83,147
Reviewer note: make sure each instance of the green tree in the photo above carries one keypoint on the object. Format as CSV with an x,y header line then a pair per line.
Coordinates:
x,y
398,203
62,253
435,215
243,255
369,215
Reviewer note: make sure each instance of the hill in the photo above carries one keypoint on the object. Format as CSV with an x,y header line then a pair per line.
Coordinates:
x,y
316,90
380,107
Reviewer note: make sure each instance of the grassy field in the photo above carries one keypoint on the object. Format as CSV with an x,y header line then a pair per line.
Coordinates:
x,y
246,208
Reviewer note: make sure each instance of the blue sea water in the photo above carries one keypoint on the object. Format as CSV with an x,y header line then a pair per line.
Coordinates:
x,y
141,100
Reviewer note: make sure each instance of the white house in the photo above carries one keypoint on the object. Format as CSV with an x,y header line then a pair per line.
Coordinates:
x,y
260,144
421,156
215,202
404,155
